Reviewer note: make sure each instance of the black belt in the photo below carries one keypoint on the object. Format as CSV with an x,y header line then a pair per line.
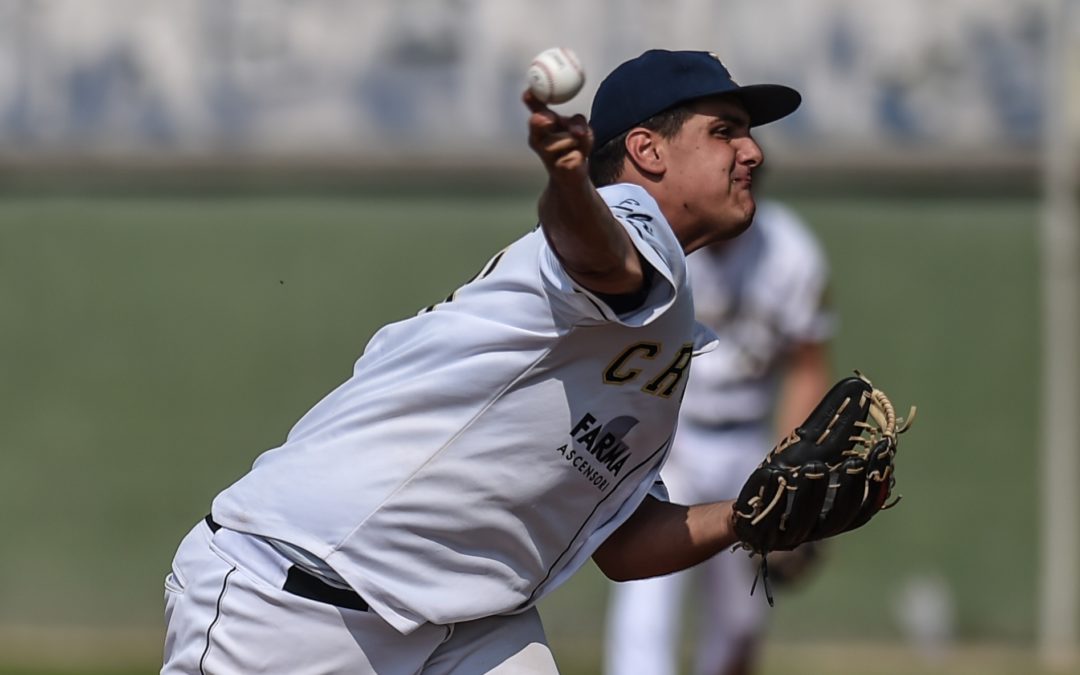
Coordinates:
x,y
726,425
300,582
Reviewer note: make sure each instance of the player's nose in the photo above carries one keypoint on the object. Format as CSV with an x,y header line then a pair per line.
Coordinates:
x,y
748,152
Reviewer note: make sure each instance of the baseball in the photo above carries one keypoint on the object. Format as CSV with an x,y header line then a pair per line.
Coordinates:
x,y
556,75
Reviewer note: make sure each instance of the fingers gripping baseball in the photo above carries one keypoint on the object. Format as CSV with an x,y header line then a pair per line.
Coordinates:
x,y
562,143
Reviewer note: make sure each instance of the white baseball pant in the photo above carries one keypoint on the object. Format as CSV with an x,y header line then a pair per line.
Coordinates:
x,y
226,613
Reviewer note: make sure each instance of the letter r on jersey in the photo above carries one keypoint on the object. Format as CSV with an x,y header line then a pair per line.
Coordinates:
x,y
674,373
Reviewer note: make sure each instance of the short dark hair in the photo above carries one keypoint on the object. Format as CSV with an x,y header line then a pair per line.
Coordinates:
x,y
606,162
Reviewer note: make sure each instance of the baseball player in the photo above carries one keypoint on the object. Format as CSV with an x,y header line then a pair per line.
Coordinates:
x,y
485,449
763,293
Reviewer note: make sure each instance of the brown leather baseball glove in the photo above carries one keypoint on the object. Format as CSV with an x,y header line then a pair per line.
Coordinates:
x,y
832,474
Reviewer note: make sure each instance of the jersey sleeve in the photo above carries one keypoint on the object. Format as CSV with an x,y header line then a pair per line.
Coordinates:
x,y
807,314
659,491
651,235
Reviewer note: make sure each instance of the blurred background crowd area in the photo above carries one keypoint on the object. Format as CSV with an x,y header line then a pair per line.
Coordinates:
x,y
428,77
208,206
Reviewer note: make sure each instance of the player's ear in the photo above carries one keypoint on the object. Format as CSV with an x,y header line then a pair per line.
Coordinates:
x,y
643,149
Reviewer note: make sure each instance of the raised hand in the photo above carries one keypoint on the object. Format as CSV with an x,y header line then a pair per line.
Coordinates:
x,y
562,143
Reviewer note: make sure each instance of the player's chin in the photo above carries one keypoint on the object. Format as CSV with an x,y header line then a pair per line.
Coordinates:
x,y
748,204
742,227
740,218
731,228
749,208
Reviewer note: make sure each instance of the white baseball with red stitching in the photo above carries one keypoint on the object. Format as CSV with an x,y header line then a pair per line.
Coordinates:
x,y
556,75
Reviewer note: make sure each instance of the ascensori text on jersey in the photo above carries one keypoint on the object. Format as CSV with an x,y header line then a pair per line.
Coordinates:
x,y
602,441
588,470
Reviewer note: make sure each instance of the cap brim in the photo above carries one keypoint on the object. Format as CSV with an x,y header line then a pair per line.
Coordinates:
x,y
768,102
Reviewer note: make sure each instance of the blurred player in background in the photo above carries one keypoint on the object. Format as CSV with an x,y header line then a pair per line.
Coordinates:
x,y
764,293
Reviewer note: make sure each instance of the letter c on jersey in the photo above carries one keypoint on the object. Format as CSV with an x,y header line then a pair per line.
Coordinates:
x,y
663,384
617,373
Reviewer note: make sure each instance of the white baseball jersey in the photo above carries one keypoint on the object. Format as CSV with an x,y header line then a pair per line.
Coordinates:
x,y
762,293
484,449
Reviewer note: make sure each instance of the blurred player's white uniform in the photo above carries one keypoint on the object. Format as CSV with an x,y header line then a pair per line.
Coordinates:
x,y
479,455
762,294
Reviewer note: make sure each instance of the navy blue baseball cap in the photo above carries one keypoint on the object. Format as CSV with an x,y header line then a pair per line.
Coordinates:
x,y
660,79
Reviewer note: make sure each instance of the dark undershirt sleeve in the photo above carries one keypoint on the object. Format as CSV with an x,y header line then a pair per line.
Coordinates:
x,y
628,302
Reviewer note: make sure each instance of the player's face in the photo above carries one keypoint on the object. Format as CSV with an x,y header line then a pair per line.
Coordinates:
x,y
709,165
